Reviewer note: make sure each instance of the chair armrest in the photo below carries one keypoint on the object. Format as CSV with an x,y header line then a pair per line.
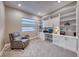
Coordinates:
x,y
24,37
17,43
27,36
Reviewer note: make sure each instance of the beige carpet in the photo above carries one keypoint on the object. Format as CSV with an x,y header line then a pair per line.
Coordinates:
x,y
39,48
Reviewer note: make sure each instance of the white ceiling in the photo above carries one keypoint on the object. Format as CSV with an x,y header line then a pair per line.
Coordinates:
x,y
34,7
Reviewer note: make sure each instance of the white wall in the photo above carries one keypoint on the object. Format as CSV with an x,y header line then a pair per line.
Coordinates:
x,y
47,23
2,25
78,25
13,21
54,22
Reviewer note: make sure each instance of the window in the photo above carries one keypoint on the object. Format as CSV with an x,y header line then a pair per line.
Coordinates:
x,y
28,25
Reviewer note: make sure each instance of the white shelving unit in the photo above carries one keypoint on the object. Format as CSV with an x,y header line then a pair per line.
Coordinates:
x,y
68,16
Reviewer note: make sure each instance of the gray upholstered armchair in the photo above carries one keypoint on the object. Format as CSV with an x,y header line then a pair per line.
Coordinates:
x,y
17,41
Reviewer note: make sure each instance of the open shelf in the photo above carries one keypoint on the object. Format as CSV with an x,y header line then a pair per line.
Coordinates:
x,y
70,25
68,14
71,19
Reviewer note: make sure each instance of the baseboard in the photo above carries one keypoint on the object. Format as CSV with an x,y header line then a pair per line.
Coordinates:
x,y
1,53
77,54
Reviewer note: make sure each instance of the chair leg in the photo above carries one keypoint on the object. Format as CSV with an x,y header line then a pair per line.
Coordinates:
x,y
12,48
23,48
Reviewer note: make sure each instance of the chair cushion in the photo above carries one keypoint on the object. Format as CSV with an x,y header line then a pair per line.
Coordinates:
x,y
23,37
24,40
18,38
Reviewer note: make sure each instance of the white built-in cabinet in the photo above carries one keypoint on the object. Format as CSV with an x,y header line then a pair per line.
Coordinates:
x,y
58,40
66,42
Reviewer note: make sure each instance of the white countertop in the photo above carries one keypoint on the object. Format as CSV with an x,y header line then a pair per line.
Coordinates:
x,y
61,35
65,35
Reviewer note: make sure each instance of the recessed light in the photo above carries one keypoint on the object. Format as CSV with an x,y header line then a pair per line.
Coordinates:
x,y
39,13
59,1
19,5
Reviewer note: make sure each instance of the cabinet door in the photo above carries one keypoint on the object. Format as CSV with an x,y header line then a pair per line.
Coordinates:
x,y
59,40
71,43
55,39
62,41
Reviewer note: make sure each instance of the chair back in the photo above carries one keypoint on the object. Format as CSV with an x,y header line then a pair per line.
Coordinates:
x,y
13,35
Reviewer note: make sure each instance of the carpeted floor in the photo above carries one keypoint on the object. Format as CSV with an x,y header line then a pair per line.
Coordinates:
x,y
39,48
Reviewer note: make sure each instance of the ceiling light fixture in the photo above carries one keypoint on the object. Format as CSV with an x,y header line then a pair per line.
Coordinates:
x,y
59,1
19,5
39,13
